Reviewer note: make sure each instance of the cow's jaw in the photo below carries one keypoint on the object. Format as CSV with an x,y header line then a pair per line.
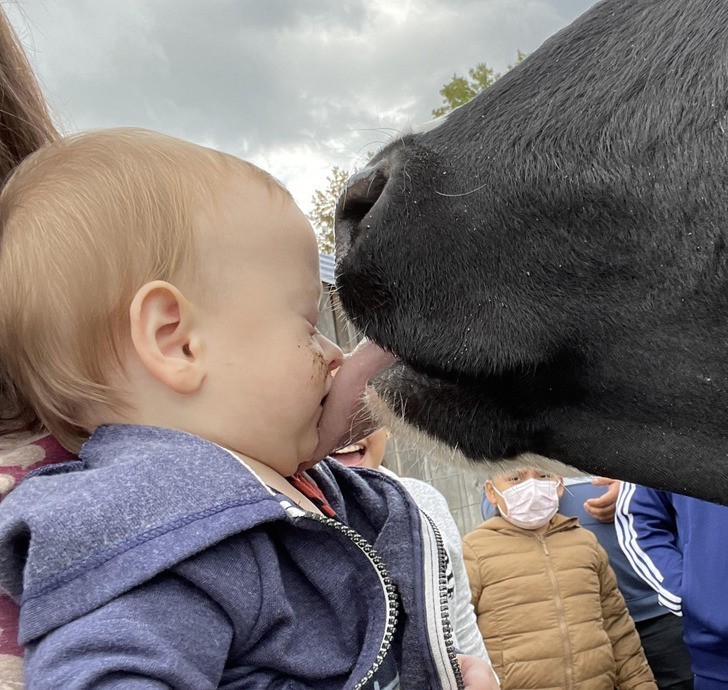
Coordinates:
x,y
485,468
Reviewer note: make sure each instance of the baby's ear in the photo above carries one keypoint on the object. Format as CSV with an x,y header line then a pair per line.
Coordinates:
x,y
164,336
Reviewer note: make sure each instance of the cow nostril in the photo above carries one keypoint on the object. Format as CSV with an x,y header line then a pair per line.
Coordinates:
x,y
361,193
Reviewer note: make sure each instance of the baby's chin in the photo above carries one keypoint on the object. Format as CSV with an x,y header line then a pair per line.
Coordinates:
x,y
308,451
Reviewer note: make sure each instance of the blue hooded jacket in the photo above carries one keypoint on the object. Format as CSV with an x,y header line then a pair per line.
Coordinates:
x,y
160,560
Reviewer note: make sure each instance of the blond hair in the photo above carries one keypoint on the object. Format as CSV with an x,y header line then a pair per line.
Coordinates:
x,y
86,222
25,126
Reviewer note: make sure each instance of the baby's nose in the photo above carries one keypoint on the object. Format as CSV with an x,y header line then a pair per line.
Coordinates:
x,y
334,355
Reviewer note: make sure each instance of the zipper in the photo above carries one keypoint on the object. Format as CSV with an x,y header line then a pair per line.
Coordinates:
x,y
443,647
562,618
391,601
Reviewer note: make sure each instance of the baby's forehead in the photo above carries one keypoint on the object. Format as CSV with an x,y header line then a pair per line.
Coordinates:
x,y
240,180
254,225
246,205
242,174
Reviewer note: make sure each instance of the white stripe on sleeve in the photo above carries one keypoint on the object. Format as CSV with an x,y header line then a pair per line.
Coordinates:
x,y
642,564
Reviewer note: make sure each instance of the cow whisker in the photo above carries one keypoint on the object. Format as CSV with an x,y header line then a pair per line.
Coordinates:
x,y
472,191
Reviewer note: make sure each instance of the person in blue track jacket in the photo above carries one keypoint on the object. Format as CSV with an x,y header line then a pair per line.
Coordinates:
x,y
677,544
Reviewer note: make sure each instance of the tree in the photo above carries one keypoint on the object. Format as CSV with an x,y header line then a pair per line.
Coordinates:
x,y
324,204
520,57
459,90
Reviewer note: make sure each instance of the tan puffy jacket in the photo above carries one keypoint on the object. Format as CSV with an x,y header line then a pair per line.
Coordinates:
x,y
549,609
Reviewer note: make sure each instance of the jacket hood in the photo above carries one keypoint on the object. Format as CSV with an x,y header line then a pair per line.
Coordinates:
x,y
150,497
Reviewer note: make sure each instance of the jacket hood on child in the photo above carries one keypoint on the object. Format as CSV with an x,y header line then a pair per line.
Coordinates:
x,y
146,503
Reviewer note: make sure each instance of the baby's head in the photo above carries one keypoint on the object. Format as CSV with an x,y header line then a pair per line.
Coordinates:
x,y
152,281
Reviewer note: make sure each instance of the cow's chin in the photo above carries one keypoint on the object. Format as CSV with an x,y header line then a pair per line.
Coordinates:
x,y
407,402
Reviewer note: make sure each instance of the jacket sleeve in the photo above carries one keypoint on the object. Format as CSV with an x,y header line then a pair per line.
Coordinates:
x,y
164,634
647,534
633,670
465,626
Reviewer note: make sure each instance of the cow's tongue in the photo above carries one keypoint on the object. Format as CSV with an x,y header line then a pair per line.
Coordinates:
x,y
344,419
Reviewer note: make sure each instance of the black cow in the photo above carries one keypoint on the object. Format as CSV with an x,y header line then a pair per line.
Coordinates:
x,y
549,263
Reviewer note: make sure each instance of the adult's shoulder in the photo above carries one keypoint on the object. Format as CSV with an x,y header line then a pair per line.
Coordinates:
x,y
426,495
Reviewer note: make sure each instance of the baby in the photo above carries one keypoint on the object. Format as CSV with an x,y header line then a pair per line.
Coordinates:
x,y
169,337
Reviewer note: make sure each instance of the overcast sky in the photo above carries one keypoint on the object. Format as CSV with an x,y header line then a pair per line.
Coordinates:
x,y
295,86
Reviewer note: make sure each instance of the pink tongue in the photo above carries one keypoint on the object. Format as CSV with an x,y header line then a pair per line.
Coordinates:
x,y
344,418
349,459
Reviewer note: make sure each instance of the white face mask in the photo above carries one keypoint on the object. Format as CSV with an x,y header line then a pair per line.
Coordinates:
x,y
531,504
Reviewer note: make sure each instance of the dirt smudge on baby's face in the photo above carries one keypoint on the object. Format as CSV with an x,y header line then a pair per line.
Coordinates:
x,y
321,366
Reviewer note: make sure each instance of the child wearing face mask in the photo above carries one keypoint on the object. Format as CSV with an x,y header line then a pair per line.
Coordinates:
x,y
546,599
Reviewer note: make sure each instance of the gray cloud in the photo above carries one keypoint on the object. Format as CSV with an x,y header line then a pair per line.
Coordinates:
x,y
333,78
